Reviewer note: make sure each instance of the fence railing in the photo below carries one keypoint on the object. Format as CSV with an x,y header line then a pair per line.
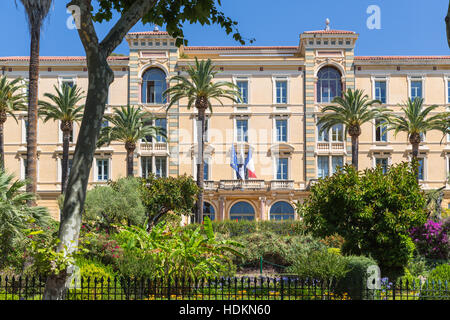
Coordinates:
x,y
243,288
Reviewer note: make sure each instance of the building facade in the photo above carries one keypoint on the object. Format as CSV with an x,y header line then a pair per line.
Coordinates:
x,y
283,90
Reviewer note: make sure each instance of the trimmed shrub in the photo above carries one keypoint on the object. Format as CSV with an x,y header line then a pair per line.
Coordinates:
x,y
244,227
438,284
320,265
355,280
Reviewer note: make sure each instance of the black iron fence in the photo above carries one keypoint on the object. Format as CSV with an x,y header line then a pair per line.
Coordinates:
x,y
244,288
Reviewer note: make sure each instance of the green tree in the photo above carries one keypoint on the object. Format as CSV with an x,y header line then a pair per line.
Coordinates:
x,y
199,90
372,211
16,215
416,121
63,107
129,127
352,110
171,13
447,23
11,99
164,195
119,203
36,11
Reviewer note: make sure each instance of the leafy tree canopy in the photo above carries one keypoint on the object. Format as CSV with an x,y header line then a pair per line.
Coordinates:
x,y
173,14
372,211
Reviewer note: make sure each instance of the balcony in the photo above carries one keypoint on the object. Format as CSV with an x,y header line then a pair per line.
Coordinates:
x,y
153,146
240,184
331,146
281,184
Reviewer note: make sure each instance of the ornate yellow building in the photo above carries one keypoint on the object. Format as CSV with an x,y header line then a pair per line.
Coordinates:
x,y
283,89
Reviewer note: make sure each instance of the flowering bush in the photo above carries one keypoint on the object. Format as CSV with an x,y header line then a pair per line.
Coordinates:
x,y
431,240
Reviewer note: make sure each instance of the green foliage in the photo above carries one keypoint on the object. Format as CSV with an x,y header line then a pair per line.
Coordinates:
x,y
179,252
320,265
163,195
355,280
174,14
233,228
62,106
16,216
372,211
129,126
93,276
273,248
118,203
440,273
11,97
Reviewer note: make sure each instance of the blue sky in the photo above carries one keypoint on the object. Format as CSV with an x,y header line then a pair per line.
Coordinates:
x,y
408,27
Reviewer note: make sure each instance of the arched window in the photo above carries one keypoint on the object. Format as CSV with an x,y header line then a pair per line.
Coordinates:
x,y
242,211
153,85
329,84
281,211
208,211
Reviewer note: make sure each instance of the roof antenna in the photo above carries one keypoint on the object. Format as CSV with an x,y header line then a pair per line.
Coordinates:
x,y
327,22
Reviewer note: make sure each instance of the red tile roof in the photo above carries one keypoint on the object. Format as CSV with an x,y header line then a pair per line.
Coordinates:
x,y
155,33
63,58
243,48
402,57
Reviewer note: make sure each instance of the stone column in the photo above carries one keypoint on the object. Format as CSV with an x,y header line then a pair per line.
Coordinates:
x,y
222,208
262,208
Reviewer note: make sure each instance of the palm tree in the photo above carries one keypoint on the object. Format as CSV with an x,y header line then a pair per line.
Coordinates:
x,y
199,90
10,100
416,121
352,110
129,127
37,11
63,107
15,215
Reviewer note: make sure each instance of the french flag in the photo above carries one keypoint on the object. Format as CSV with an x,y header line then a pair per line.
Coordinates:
x,y
249,165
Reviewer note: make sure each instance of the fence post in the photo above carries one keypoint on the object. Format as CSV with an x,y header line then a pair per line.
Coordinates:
x,y
282,288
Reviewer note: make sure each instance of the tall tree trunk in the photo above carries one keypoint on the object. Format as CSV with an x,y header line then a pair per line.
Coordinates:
x,y
414,159
31,172
65,160
2,144
130,147
100,77
200,165
355,149
447,23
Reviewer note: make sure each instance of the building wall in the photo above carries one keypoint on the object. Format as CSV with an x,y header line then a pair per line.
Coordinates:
x,y
261,66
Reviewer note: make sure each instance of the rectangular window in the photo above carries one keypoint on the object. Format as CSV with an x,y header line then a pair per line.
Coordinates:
x,y
421,168
102,169
243,89
67,80
281,91
281,130
380,91
337,133
146,167
148,139
322,136
416,89
282,169
242,130
383,163
336,161
448,91
161,166
380,131
198,127
161,123
323,169
206,171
